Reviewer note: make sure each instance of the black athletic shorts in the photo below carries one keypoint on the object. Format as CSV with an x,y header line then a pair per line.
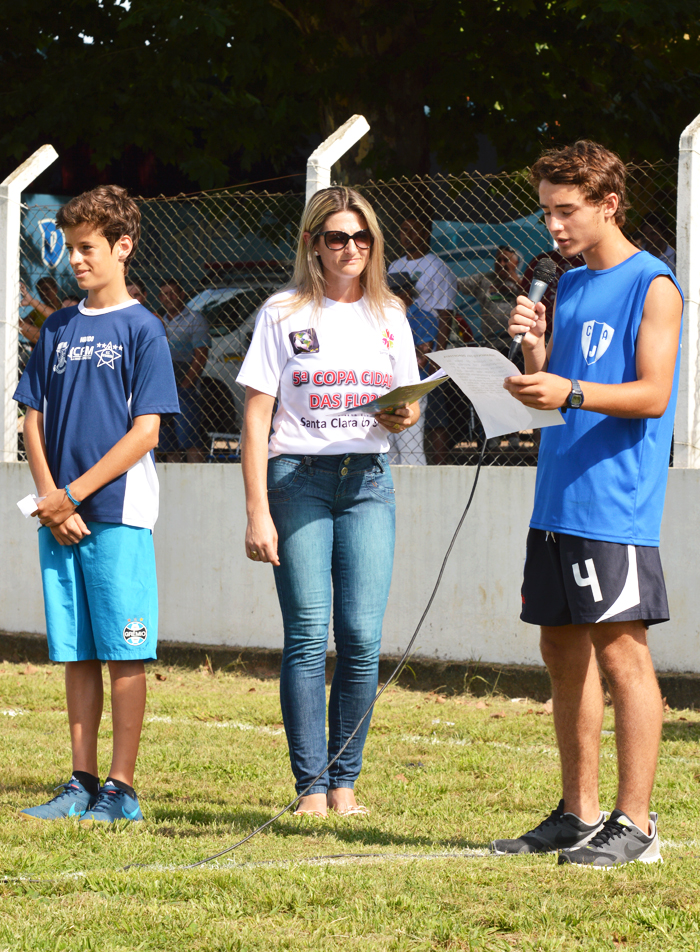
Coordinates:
x,y
573,581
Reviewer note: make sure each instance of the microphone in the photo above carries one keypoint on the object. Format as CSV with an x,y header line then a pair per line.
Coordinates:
x,y
544,273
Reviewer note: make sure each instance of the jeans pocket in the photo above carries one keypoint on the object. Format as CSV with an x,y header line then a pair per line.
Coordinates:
x,y
380,484
285,478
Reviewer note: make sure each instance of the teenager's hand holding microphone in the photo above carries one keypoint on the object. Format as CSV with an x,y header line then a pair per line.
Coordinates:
x,y
529,308
526,318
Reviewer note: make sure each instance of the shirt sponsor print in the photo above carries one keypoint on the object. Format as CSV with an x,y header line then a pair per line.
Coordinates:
x,y
327,400
108,353
388,339
595,340
304,342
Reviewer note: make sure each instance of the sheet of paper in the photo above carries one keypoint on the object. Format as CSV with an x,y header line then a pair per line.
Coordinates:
x,y
479,373
402,396
28,505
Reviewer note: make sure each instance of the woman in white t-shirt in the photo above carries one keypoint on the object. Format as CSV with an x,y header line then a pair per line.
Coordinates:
x,y
319,493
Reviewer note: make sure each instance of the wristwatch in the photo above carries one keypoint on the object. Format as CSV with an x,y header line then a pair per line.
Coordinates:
x,y
575,398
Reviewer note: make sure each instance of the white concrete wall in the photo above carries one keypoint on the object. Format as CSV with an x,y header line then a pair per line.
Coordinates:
x,y
211,594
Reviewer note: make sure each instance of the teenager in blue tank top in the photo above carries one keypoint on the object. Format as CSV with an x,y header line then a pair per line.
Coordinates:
x,y
593,580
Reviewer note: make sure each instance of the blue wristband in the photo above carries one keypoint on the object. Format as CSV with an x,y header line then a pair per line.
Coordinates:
x,y
70,496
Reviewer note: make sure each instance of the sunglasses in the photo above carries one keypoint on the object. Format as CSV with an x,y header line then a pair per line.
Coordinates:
x,y
337,240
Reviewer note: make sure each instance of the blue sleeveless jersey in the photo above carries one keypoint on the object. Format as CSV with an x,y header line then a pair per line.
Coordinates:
x,y
91,372
604,477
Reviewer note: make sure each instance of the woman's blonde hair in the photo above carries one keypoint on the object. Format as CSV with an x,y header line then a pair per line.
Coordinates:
x,y
309,283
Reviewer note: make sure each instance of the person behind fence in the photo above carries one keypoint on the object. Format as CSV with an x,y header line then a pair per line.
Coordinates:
x,y
95,386
436,293
188,336
496,291
319,492
656,238
592,579
49,300
562,266
407,448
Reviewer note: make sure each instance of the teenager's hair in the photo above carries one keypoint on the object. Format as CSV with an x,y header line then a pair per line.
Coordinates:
x,y
594,169
110,210
309,283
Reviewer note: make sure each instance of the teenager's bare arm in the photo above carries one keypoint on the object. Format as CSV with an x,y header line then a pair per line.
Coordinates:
x,y
72,529
648,395
261,535
141,439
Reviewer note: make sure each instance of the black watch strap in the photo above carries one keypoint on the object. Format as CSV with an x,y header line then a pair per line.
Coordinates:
x,y
575,398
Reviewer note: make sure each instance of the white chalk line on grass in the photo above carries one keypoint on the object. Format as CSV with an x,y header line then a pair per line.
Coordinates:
x,y
418,739
335,859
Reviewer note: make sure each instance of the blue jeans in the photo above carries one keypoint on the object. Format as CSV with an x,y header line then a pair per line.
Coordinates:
x,y
335,516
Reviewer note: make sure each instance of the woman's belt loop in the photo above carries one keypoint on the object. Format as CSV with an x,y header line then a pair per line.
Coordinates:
x,y
378,462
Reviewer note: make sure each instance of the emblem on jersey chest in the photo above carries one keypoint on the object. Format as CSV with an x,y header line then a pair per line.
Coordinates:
x,y
61,358
595,340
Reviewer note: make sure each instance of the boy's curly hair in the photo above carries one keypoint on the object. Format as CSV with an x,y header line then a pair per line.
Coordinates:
x,y
594,169
110,210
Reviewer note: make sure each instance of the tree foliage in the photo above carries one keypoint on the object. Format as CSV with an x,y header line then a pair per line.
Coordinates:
x,y
204,85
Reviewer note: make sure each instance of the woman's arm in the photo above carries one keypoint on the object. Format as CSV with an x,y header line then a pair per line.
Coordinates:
x,y
261,535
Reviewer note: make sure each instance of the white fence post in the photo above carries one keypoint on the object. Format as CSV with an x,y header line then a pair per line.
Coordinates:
x,y
686,452
10,206
321,160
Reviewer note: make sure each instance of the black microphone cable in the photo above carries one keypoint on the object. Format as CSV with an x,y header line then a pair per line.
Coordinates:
x,y
394,674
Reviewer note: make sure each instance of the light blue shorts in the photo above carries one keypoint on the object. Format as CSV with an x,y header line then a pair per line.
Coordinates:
x,y
100,595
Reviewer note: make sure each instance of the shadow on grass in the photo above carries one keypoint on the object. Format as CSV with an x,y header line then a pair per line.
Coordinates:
x,y
681,731
352,831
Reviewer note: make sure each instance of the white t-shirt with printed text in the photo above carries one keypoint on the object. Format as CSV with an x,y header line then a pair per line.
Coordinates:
x,y
322,364
435,282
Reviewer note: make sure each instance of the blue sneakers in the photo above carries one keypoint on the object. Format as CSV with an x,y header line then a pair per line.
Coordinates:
x,y
73,801
112,804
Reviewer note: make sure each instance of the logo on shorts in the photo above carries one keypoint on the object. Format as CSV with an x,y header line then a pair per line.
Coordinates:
x,y
62,354
595,340
305,342
135,632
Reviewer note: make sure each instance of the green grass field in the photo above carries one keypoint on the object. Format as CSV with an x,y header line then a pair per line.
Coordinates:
x,y
442,777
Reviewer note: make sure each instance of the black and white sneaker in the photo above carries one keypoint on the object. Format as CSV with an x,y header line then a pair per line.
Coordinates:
x,y
558,832
619,842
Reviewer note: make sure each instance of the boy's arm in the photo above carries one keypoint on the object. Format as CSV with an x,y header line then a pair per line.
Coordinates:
x,y
645,397
141,439
72,529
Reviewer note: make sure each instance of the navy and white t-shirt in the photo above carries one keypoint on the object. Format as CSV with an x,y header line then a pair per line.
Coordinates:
x,y
604,477
91,373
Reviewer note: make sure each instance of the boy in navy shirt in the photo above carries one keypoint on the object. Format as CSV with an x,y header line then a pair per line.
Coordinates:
x,y
95,386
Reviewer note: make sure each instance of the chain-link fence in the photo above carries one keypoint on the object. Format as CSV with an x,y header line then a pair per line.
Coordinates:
x,y
459,249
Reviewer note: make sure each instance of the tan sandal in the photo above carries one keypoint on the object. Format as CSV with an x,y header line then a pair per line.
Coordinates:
x,y
358,810
323,816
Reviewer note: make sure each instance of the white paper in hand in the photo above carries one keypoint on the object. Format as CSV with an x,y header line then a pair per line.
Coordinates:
x,y
479,372
28,505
